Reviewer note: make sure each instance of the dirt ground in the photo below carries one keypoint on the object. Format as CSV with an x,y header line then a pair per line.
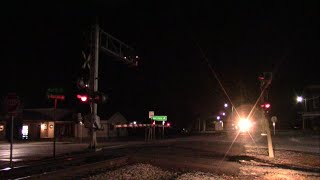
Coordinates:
x,y
253,163
285,165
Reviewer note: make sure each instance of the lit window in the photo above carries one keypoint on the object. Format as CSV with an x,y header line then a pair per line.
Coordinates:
x,y
43,126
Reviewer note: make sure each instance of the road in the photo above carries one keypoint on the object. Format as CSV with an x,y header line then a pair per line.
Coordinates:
x,y
40,150
36,150
219,154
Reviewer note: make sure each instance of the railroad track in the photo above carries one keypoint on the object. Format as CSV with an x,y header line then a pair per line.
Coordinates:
x,y
71,165
80,171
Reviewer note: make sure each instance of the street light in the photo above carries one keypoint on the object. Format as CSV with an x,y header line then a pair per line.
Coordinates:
x,y
226,105
299,99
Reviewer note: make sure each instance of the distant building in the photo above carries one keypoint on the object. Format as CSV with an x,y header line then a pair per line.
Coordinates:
x,y
108,128
311,107
117,119
39,123
2,130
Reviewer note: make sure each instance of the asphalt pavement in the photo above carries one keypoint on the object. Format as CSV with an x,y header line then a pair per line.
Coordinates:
x,y
31,151
289,140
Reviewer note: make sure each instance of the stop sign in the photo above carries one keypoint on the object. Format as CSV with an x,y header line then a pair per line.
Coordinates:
x,y
11,103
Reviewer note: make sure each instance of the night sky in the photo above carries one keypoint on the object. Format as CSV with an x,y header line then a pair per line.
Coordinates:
x,y
41,45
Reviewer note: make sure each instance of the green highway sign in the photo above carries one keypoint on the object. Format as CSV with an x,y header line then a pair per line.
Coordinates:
x,y
159,118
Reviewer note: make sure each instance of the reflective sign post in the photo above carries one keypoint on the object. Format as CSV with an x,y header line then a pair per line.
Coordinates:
x,y
274,120
11,140
163,129
274,128
12,103
54,128
55,97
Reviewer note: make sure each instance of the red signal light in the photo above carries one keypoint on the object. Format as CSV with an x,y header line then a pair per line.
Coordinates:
x,y
261,78
267,105
168,124
83,98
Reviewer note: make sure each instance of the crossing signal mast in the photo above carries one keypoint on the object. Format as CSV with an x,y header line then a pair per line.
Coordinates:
x,y
112,46
265,81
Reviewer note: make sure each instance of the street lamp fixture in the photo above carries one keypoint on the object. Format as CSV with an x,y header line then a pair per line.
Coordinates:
x,y
225,105
299,99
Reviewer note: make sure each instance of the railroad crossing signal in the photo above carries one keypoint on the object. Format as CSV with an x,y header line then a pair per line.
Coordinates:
x,y
266,106
265,81
97,97
83,97
112,46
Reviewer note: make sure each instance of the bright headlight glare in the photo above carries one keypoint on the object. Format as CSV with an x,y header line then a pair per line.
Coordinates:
x,y
244,125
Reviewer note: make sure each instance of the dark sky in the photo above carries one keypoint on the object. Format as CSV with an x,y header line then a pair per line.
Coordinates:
x,y
41,46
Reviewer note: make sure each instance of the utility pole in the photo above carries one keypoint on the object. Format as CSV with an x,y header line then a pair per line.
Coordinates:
x,y
265,81
115,47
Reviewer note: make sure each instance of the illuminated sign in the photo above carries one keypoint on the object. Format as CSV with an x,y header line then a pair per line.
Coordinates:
x,y
25,131
151,114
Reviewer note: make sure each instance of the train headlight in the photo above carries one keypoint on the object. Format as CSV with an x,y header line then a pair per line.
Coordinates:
x,y
244,125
